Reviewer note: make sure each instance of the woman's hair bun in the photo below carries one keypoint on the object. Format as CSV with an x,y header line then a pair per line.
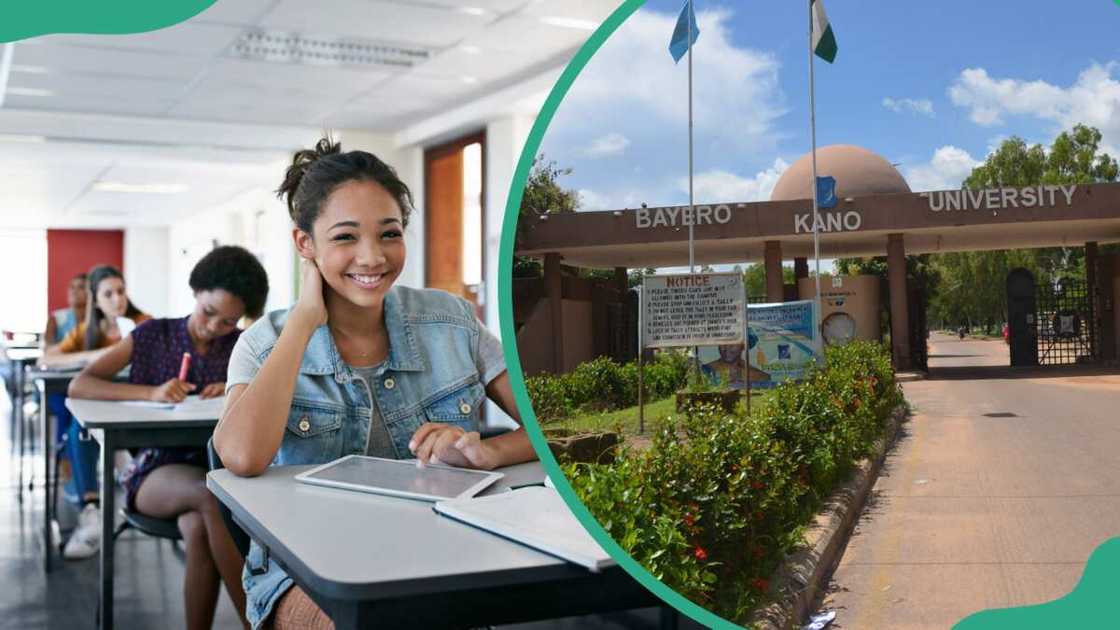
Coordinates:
x,y
316,172
301,162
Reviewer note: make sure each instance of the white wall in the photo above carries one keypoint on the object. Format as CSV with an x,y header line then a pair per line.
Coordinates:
x,y
145,269
255,220
505,137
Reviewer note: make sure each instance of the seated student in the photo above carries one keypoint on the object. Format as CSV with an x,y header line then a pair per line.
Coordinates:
x,y
59,324
63,320
228,283
107,301
354,343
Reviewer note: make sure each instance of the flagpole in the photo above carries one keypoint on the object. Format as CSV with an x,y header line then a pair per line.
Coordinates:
x,y
813,183
691,208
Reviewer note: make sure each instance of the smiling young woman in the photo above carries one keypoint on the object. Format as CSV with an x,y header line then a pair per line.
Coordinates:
x,y
357,365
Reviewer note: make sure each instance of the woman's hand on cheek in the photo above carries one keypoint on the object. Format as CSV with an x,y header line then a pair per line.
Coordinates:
x,y
310,304
435,443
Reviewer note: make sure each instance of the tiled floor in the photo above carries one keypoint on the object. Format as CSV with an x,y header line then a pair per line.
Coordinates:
x,y
149,574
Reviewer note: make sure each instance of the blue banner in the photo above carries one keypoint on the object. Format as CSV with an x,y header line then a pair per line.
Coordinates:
x,y
783,343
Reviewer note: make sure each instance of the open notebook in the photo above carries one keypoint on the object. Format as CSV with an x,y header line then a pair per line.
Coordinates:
x,y
193,404
535,516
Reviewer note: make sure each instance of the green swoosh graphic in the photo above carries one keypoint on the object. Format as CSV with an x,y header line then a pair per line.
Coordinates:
x,y
505,311
30,18
1091,604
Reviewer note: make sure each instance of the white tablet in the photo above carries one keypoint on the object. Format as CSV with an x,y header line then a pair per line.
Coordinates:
x,y
401,478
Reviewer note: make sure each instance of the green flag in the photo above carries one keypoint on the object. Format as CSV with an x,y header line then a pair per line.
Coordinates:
x,y
824,42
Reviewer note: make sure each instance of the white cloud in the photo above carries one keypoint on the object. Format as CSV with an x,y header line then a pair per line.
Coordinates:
x,y
1093,99
716,186
613,143
945,171
922,106
591,200
633,76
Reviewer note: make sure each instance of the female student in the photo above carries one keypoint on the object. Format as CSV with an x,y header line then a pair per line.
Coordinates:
x,y
108,303
107,300
356,365
228,283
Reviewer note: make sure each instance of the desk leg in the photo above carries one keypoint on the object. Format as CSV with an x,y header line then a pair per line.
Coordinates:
x,y
48,501
18,430
107,513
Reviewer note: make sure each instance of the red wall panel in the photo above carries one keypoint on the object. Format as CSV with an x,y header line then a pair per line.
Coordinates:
x,y
70,252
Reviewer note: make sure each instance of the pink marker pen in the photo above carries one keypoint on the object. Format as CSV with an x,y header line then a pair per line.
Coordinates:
x,y
185,366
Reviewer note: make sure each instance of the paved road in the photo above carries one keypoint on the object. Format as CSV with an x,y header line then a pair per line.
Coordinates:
x,y
1000,487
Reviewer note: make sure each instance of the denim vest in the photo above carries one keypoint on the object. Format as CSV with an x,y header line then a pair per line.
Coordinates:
x,y
430,375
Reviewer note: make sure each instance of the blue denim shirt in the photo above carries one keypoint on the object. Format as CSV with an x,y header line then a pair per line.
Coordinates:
x,y
440,360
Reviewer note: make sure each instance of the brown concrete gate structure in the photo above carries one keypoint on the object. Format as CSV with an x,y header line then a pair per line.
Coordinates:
x,y
894,224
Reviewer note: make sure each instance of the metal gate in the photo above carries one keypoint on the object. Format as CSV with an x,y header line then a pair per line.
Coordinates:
x,y
1064,323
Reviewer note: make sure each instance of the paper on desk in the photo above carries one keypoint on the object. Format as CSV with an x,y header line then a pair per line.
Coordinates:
x,y
192,404
535,516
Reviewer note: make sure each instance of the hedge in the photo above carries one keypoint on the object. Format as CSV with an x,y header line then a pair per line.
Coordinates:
x,y
718,499
604,385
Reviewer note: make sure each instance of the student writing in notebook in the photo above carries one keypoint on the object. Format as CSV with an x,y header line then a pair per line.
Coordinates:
x,y
357,365
171,482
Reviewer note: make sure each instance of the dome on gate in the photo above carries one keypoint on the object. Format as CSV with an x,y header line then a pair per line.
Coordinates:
x,y
858,172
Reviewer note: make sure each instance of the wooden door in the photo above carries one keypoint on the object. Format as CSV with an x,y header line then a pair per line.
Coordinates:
x,y
447,240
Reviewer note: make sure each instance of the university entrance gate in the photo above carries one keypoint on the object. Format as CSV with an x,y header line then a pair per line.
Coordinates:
x,y
1050,324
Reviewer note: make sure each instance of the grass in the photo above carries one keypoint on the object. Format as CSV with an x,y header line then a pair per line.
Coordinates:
x,y
627,419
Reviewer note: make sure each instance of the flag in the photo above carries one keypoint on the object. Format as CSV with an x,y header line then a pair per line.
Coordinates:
x,y
824,42
681,42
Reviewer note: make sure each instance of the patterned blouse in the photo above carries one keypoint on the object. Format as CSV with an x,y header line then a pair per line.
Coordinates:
x,y
157,352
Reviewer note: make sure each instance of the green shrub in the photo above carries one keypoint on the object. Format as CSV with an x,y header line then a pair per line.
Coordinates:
x,y
604,385
718,499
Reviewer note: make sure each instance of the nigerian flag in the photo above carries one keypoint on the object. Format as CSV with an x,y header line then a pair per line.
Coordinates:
x,y
824,42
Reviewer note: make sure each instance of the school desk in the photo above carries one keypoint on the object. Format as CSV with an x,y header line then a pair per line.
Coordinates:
x,y
380,561
20,359
117,425
48,382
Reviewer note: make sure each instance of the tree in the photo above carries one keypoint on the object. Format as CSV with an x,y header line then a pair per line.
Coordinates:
x,y
542,195
754,277
973,290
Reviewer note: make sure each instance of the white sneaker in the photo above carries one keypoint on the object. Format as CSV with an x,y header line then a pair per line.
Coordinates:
x,y
86,539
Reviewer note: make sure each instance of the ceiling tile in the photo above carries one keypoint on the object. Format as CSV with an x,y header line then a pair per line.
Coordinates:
x,y
186,38
62,59
240,12
527,34
378,21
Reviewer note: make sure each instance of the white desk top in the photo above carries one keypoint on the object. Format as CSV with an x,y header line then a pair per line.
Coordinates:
x,y
110,414
23,354
354,545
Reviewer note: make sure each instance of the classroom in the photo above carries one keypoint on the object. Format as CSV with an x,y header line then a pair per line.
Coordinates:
x,y
142,233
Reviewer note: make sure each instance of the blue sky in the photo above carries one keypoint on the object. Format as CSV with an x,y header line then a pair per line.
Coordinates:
x,y
932,86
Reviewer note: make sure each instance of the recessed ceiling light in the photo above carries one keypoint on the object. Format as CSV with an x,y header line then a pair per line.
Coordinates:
x,y
155,189
293,48
22,91
470,50
470,80
19,137
29,69
563,22
472,10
